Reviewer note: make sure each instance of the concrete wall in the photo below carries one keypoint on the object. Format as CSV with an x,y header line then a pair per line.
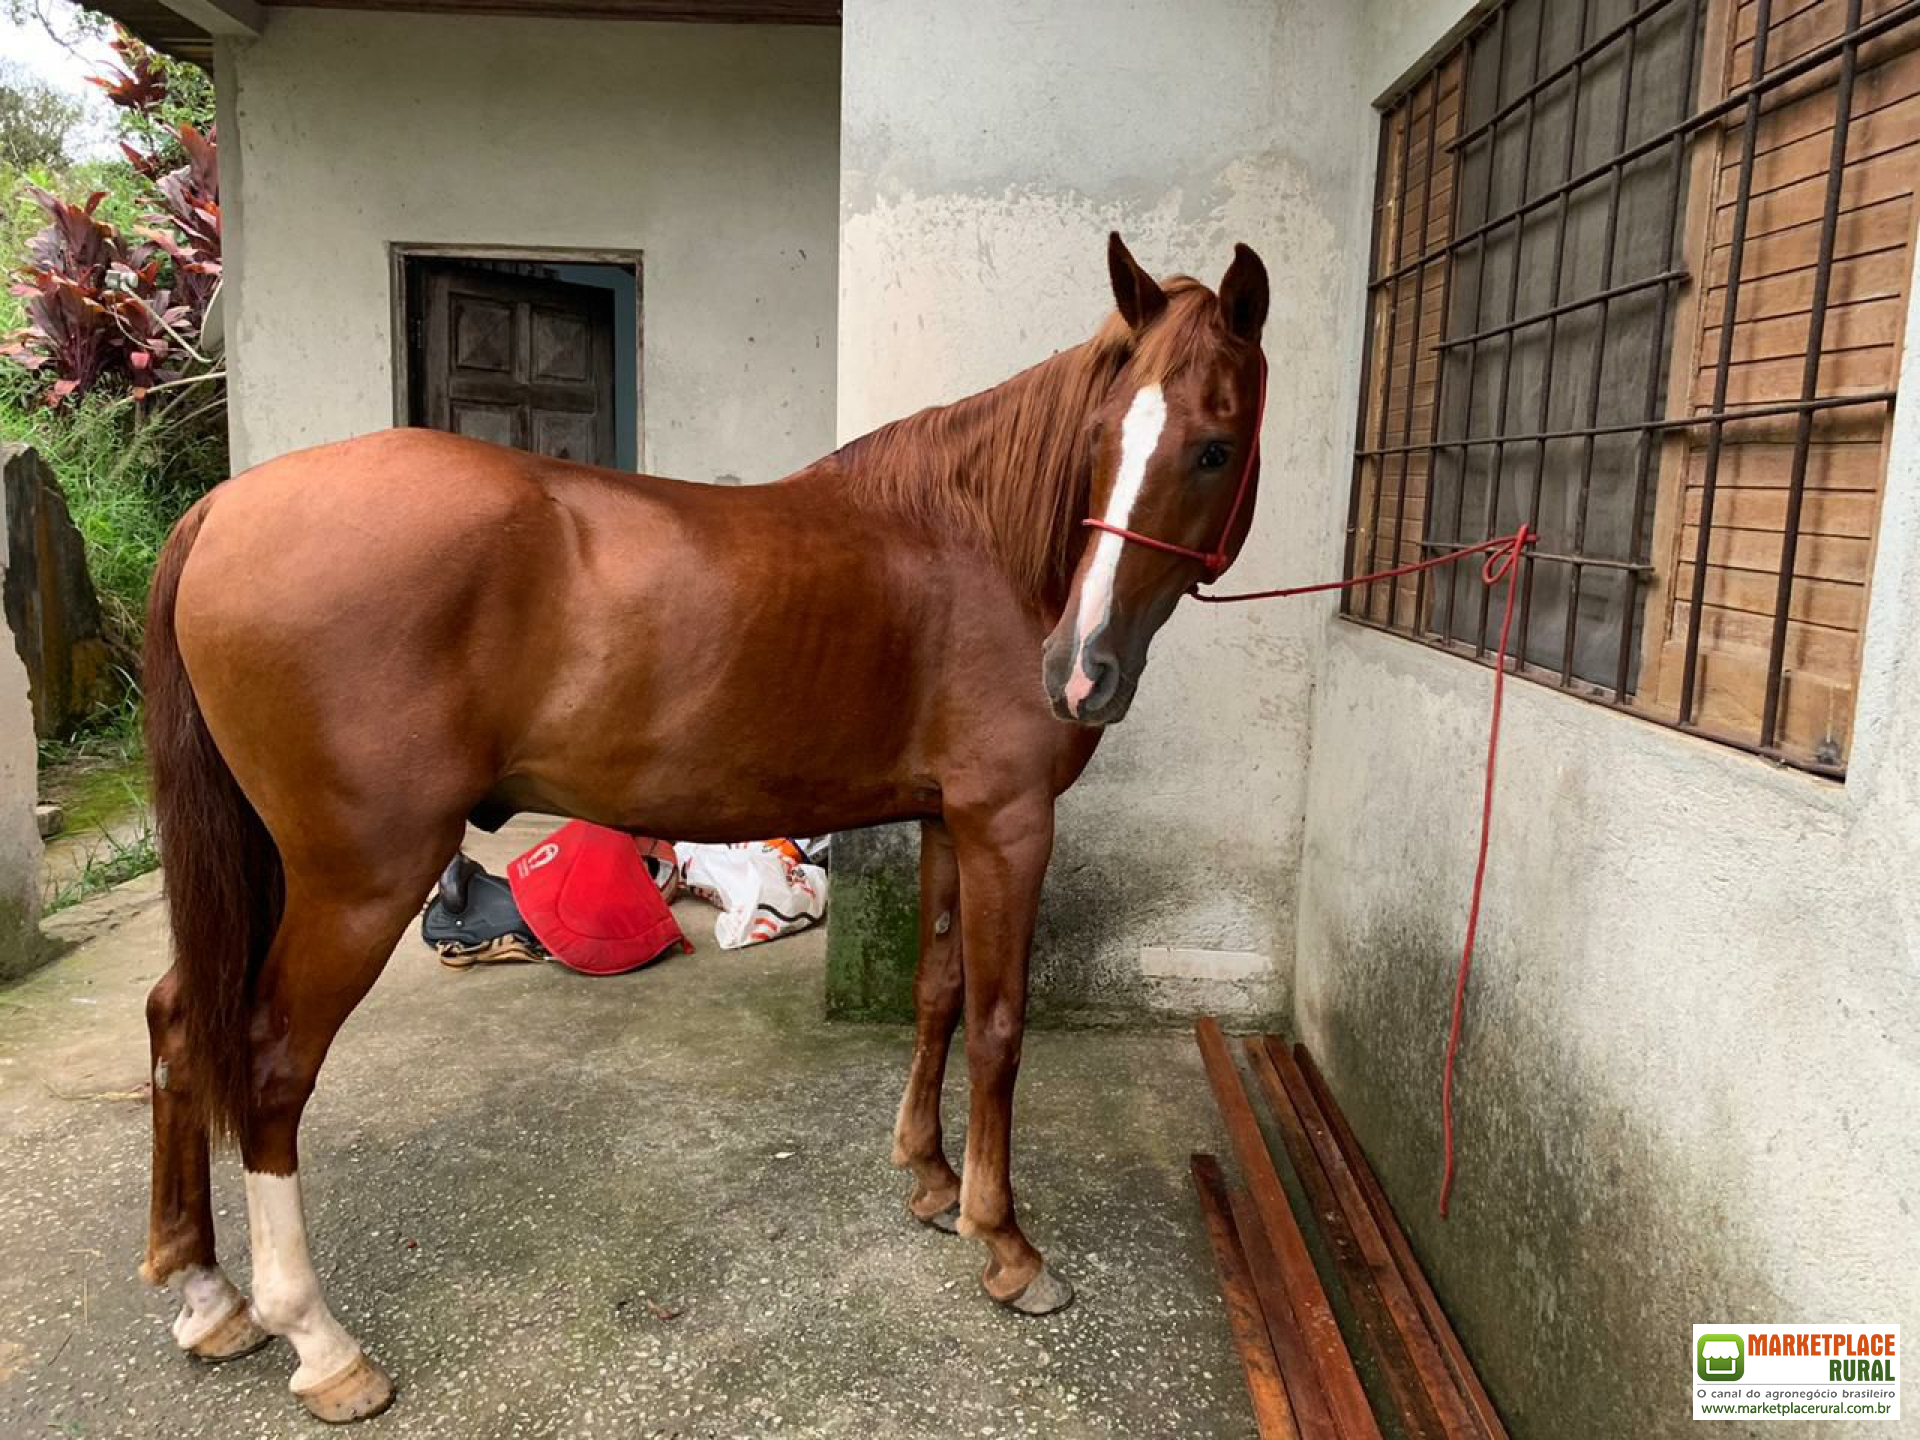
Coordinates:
x,y
986,151
1686,1090
20,944
712,149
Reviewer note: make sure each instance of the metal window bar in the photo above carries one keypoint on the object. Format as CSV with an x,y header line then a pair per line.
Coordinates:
x,y
1470,246
1574,91
1810,379
1479,294
1499,461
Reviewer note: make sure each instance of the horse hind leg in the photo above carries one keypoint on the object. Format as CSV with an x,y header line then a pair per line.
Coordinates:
x,y
215,1321
327,954
938,991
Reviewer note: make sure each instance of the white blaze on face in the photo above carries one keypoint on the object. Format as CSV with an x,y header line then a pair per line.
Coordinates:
x,y
1139,438
286,1292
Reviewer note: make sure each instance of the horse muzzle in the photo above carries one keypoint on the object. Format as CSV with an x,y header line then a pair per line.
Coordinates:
x,y
1087,683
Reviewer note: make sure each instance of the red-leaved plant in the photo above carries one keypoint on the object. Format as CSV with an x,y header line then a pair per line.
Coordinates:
x,y
98,311
95,305
192,198
137,82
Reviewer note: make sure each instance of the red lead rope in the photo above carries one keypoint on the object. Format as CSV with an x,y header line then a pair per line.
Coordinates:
x,y
1502,564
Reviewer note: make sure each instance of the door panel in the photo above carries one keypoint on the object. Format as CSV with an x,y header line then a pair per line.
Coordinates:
x,y
495,423
518,360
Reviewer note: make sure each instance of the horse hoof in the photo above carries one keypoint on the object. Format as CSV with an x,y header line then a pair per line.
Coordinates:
x,y
359,1392
1045,1294
946,1221
237,1334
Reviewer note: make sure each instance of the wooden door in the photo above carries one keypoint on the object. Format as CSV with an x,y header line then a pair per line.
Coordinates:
x,y
519,360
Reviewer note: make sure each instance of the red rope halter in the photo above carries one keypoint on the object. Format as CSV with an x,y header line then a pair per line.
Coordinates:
x,y
1216,559
1503,554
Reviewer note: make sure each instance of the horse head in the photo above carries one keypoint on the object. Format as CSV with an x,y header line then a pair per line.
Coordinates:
x,y
1176,463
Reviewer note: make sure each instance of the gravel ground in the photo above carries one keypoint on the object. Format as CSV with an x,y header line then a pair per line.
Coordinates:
x,y
657,1205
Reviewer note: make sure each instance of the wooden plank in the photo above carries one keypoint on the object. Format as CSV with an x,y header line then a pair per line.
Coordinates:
x,y
1798,108
1423,1395
1844,513
1442,1392
1816,711
1346,1399
1305,1393
1883,177
1848,327
1835,467
1785,10
1773,382
1870,246
1836,604
1473,1392
1793,35
1271,1412
1817,557
1889,128
1695,305
1810,648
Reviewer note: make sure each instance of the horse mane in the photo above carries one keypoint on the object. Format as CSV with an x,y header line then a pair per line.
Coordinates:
x,y
1011,467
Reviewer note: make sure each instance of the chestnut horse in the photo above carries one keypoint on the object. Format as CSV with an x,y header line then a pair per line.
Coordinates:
x,y
354,650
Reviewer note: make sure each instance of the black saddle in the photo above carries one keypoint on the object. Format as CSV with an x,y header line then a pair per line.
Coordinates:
x,y
472,918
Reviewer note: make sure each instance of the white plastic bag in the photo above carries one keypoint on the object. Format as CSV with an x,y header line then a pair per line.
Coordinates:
x,y
763,888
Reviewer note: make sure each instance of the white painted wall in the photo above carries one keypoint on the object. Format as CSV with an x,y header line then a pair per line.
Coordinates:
x,y
712,149
1687,1088
987,150
1686,1092
21,947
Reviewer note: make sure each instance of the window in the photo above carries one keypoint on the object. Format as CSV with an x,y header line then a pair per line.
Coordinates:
x,y
1608,236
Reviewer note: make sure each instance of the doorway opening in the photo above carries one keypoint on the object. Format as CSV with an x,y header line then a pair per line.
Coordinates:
x,y
539,350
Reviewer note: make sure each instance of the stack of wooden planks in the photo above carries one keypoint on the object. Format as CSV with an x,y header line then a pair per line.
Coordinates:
x,y
1300,1370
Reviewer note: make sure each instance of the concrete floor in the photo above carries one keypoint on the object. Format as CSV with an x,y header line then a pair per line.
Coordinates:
x,y
657,1205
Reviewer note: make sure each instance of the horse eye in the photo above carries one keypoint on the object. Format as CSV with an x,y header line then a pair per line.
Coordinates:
x,y
1213,456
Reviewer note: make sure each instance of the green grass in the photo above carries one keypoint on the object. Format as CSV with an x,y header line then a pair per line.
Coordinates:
x,y
99,780
101,772
128,472
112,858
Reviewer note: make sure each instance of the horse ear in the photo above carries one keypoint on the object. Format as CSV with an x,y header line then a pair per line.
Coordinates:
x,y
1243,294
1137,293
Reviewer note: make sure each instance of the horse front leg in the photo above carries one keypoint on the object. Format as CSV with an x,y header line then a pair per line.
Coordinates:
x,y
215,1322
1003,853
937,992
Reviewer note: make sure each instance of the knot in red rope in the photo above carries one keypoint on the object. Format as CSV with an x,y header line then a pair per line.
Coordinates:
x,y
1502,565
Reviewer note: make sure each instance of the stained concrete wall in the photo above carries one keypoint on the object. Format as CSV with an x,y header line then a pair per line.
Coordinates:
x,y
20,944
1686,1090
986,151
712,149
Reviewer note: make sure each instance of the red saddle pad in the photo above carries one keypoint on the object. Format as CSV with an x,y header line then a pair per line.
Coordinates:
x,y
588,895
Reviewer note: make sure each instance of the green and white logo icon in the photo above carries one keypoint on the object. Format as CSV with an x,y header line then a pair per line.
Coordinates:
x,y
1720,1358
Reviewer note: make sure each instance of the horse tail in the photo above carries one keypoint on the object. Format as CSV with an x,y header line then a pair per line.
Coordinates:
x,y
224,884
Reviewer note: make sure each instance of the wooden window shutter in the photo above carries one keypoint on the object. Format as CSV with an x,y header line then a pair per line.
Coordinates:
x,y
1859,354
1406,317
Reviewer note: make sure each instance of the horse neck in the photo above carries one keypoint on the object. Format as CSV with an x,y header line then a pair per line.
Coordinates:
x,y
1007,471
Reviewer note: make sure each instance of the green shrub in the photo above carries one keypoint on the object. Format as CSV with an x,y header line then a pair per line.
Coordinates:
x,y
129,470
130,466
